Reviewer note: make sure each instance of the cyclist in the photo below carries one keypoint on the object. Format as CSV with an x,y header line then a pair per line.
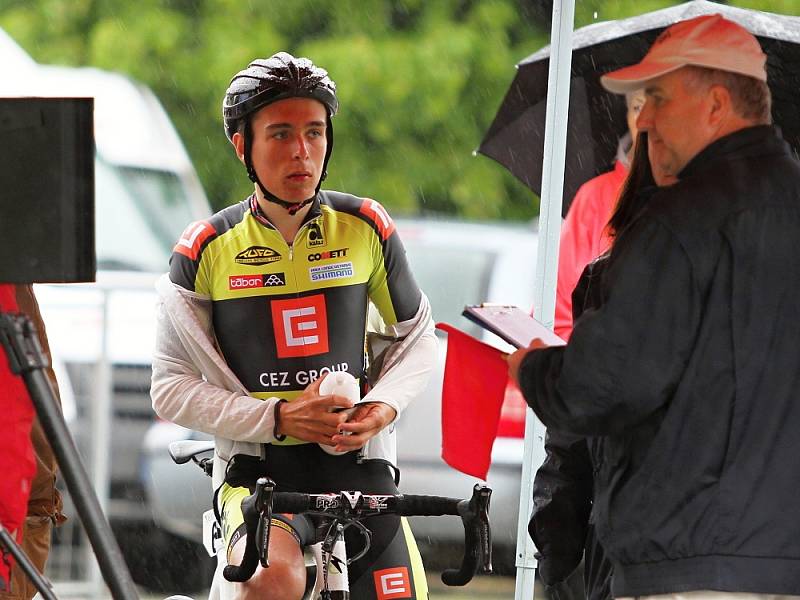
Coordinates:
x,y
267,297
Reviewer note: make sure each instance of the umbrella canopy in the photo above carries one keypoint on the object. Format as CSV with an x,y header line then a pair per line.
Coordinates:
x,y
515,138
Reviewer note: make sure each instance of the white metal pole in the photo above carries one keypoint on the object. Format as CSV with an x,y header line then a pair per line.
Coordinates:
x,y
100,434
555,143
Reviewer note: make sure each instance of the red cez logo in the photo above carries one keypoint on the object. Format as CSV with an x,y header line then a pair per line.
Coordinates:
x,y
301,326
392,583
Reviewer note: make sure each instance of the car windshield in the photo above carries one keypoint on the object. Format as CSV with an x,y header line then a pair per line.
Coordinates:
x,y
456,277
139,215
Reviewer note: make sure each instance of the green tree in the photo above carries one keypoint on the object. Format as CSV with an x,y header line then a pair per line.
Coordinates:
x,y
419,83
419,80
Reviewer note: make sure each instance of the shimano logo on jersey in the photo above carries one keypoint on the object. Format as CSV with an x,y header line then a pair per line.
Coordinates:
x,y
257,255
333,271
315,238
338,253
247,282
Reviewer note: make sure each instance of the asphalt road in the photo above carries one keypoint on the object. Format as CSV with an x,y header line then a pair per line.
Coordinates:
x,y
489,587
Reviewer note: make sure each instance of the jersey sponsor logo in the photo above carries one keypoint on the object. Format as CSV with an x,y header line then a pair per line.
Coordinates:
x,y
338,253
315,237
257,255
332,271
378,215
392,583
276,379
247,282
300,325
192,239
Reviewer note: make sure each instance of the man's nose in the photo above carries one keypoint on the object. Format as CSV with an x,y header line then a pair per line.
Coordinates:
x,y
301,147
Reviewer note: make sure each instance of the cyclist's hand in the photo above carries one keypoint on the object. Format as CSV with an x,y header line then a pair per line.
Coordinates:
x,y
309,418
366,421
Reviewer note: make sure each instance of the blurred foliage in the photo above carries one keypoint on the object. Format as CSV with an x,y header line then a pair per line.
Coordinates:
x,y
419,80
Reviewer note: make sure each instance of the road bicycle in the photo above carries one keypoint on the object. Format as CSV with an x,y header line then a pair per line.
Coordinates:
x,y
327,573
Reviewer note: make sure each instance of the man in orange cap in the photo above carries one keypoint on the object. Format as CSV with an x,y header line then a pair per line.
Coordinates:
x,y
688,372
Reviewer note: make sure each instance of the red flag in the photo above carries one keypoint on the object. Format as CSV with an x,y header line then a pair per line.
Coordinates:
x,y
475,376
17,463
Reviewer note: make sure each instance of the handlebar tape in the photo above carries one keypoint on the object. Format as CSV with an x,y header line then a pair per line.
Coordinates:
x,y
428,506
290,502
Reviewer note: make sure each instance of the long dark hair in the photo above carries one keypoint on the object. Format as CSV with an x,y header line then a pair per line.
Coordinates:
x,y
631,199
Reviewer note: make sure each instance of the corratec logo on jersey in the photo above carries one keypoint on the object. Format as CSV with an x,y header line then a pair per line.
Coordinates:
x,y
300,325
257,255
315,238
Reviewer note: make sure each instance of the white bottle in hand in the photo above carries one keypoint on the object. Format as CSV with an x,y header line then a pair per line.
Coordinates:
x,y
339,383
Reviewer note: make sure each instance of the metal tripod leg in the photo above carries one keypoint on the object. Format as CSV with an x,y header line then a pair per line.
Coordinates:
x,y
18,335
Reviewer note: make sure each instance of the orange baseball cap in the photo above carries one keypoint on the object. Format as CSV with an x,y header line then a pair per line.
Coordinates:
x,y
708,41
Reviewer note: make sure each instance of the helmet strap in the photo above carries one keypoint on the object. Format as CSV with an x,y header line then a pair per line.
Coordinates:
x,y
291,207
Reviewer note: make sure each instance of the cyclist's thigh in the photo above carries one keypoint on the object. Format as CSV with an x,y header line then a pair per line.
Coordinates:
x,y
229,506
393,567
393,560
288,535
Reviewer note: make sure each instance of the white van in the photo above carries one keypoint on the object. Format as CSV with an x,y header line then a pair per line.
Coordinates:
x,y
146,191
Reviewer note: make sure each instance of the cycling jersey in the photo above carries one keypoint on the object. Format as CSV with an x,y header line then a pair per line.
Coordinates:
x,y
285,314
281,315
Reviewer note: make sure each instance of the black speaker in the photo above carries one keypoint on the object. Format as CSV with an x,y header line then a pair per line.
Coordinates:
x,y
47,190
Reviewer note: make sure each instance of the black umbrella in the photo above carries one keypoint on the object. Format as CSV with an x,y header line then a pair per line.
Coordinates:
x,y
597,118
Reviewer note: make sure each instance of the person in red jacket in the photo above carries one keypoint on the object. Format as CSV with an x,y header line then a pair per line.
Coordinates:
x,y
17,463
584,233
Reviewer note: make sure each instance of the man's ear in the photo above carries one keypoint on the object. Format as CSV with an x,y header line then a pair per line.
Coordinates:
x,y
720,105
238,143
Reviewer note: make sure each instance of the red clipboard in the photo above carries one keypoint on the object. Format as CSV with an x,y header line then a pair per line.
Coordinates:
x,y
511,324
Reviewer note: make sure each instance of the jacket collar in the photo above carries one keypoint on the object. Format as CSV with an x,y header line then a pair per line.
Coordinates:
x,y
751,141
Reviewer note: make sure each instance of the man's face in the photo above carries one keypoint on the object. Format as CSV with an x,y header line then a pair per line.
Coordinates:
x,y
289,145
676,121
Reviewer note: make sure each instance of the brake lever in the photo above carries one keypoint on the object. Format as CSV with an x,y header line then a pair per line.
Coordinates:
x,y
484,528
257,511
477,538
264,490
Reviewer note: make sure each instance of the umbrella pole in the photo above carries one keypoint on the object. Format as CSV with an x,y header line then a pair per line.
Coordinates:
x,y
555,143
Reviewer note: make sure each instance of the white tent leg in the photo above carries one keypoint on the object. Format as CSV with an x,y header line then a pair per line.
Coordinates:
x,y
555,142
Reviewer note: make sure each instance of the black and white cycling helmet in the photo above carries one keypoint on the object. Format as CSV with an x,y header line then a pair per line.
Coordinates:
x,y
268,80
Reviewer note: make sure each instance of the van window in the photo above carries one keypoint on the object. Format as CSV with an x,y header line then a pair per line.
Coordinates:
x,y
126,234
451,277
162,201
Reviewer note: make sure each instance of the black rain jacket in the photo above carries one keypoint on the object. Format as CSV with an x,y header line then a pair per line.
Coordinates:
x,y
560,523
690,370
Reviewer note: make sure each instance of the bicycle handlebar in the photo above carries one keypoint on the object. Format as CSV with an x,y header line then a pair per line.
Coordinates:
x,y
259,507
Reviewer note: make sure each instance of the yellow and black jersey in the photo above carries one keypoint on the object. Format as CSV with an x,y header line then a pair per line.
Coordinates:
x,y
284,314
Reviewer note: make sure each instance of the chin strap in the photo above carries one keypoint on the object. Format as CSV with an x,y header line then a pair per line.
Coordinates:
x,y
291,207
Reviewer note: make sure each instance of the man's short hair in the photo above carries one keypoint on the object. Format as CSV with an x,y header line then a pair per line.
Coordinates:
x,y
751,97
